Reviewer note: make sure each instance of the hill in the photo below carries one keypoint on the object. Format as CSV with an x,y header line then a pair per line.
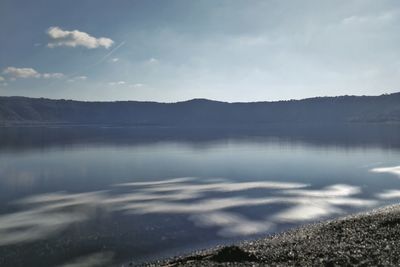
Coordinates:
x,y
202,112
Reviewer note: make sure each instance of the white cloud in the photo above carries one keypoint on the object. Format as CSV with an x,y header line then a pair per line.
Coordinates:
x,y
128,84
56,75
15,73
137,85
115,59
117,83
152,60
60,37
78,78
21,72
354,19
379,18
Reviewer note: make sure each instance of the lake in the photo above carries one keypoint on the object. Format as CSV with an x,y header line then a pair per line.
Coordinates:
x,y
115,195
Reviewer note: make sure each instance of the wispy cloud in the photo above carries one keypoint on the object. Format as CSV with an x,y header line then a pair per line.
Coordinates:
x,y
60,37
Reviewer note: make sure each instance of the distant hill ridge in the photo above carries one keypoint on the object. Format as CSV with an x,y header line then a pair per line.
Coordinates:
x,y
202,112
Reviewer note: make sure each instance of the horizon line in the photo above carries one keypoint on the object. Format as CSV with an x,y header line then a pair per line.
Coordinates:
x,y
199,99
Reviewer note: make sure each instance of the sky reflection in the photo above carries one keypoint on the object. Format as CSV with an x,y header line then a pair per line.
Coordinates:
x,y
44,215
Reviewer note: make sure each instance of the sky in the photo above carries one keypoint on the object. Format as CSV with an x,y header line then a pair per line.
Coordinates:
x,y
175,50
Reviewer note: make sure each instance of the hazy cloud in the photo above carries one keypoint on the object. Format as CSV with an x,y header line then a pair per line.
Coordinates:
x,y
115,59
1,79
60,37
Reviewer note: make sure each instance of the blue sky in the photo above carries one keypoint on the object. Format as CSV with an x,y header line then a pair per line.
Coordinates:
x,y
170,50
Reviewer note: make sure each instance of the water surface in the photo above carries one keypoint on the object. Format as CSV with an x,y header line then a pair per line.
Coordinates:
x,y
116,195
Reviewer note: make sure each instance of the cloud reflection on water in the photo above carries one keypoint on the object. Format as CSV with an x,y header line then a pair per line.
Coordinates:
x,y
231,224
392,170
207,202
92,260
45,215
389,194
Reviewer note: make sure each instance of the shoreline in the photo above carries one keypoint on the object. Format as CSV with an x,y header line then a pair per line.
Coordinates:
x,y
369,238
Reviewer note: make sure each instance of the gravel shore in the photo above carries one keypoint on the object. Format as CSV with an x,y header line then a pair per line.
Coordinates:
x,y
366,239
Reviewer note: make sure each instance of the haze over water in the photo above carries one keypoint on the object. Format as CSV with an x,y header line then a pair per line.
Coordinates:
x,y
116,195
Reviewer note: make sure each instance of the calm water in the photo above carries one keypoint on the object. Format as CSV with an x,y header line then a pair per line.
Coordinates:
x,y
116,195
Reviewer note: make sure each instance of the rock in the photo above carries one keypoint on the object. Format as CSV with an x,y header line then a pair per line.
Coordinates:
x,y
233,254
